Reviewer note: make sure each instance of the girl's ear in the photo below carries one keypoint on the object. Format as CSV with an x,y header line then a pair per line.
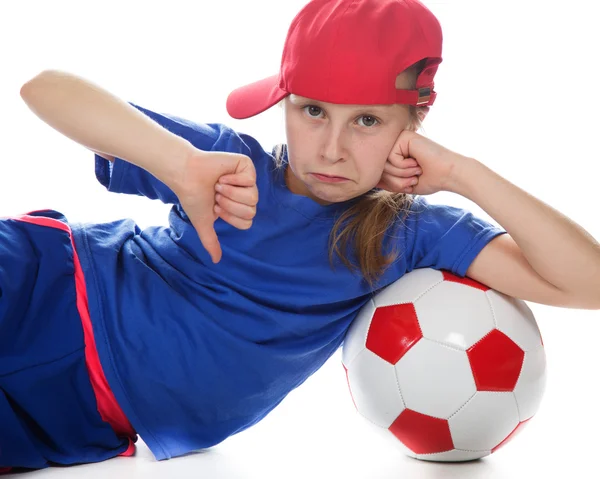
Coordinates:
x,y
422,113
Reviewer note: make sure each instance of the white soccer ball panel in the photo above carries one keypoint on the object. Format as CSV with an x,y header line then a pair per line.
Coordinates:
x,y
485,421
454,314
356,336
374,388
455,455
515,319
409,287
435,379
532,383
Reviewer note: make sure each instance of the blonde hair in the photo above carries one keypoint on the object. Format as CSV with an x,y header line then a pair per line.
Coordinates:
x,y
363,226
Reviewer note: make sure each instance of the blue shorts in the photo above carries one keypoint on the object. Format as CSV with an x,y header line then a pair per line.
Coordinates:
x,y
48,409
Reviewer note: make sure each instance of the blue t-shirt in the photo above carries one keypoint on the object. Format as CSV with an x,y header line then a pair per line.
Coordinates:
x,y
194,351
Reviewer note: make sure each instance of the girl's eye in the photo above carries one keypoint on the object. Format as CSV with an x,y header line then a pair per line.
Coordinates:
x,y
370,121
310,109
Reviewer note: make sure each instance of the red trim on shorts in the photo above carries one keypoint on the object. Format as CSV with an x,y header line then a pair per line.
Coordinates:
x,y
108,407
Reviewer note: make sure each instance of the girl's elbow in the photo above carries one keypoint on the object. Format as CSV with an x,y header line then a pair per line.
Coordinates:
x,y
30,87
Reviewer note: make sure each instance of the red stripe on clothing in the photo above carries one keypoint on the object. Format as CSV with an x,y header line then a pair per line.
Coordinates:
x,y
108,407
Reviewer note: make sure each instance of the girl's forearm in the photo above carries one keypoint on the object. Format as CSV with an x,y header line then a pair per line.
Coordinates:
x,y
559,249
98,120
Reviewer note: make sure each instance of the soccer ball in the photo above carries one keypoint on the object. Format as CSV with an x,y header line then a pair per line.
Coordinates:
x,y
447,367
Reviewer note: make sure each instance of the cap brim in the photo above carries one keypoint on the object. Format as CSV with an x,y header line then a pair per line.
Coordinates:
x,y
252,99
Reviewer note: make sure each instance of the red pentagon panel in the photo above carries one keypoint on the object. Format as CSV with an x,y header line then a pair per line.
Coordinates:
x,y
466,281
514,433
394,330
349,388
496,362
422,434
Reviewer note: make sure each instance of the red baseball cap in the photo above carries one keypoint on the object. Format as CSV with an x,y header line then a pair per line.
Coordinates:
x,y
350,52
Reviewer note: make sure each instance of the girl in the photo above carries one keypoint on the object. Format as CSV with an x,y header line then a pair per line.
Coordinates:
x,y
189,334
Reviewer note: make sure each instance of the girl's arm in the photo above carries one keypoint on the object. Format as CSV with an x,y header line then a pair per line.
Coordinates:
x,y
103,123
100,121
546,257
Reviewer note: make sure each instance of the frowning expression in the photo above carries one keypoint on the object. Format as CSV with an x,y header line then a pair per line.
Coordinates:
x,y
338,152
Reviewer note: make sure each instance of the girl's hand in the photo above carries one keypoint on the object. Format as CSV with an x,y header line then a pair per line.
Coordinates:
x,y
418,165
217,184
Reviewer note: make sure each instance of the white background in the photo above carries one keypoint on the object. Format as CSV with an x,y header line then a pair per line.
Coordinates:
x,y
517,90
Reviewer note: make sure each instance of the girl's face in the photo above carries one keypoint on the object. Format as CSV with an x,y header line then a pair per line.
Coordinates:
x,y
338,152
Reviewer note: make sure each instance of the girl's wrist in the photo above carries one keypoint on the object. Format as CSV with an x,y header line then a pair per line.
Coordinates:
x,y
174,164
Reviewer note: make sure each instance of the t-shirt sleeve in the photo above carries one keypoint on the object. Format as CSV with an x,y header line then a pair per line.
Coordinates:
x,y
445,237
123,177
